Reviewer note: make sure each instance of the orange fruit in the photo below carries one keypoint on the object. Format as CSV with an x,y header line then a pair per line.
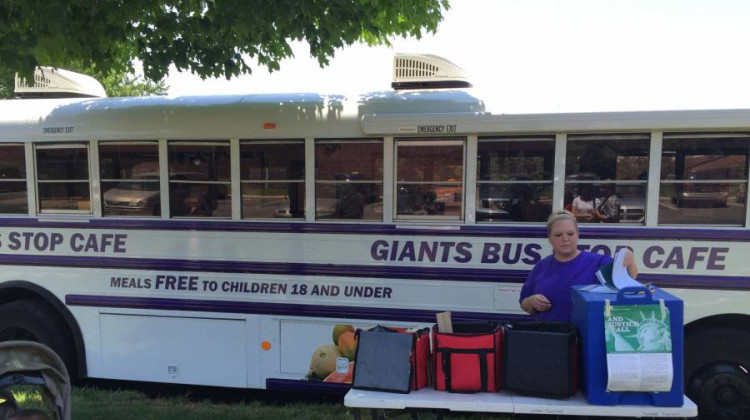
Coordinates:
x,y
340,329
347,345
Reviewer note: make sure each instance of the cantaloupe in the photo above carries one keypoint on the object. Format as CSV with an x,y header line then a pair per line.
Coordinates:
x,y
323,360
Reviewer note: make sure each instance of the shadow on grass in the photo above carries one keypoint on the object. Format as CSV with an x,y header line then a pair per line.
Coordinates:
x,y
215,394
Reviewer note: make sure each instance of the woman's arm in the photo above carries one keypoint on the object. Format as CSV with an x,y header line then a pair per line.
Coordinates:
x,y
574,207
580,215
581,211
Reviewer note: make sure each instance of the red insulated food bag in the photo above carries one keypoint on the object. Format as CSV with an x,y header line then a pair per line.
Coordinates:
x,y
420,359
469,359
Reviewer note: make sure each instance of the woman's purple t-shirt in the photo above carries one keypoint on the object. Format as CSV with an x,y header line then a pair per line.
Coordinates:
x,y
553,279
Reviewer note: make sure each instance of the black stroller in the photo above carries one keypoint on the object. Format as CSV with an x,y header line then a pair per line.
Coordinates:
x,y
30,363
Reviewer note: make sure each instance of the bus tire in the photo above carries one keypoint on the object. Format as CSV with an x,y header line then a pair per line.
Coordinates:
x,y
33,320
717,378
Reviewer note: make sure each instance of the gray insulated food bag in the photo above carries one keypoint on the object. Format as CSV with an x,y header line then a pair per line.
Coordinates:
x,y
382,362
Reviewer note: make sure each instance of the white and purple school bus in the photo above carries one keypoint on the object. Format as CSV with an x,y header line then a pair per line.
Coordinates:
x,y
217,240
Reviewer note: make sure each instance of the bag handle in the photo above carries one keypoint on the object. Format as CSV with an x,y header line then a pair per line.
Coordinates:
x,y
633,295
413,356
483,370
447,368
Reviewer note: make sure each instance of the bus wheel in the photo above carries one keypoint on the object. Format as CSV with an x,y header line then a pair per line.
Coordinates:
x,y
717,372
32,320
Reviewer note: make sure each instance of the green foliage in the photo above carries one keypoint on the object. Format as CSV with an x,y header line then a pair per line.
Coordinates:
x,y
208,37
123,83
7,82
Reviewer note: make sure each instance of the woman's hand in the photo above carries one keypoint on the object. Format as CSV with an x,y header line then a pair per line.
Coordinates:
x,y
535,304
629,262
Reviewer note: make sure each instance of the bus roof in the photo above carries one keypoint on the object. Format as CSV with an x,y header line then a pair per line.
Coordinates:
x,y
584,122
226,116
274,116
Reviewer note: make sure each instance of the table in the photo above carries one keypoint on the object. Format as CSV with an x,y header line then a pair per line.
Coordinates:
x,y
506,402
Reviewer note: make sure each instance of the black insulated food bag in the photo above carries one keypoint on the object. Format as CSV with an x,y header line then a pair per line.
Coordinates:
x,y
383,361
540,358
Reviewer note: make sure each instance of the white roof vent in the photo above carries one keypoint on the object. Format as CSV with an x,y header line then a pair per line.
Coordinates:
x,y
419,71
50,82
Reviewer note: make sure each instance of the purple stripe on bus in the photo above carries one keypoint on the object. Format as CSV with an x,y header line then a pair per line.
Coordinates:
x,y
696,282
298,385
343,270
595,231
288,309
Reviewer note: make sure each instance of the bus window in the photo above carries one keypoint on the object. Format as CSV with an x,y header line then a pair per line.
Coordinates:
x,y
63,178
349,179
273,179
606,177
13,196
130,179
199,179
514,179
703,179
429,179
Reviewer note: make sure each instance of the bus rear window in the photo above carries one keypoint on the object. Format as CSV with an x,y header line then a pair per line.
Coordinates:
x,y
63,178
13,196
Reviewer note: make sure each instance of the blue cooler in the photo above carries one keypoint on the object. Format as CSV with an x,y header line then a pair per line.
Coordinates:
x,y
588,315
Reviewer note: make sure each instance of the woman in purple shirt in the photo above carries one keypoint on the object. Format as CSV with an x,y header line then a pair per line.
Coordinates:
x,y
546,293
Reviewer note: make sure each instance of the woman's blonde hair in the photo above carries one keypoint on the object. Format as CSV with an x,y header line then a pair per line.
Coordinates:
x,y
556,216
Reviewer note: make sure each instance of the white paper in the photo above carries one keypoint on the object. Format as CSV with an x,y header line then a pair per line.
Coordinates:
x,y
639,348
620,276
618,279
639,372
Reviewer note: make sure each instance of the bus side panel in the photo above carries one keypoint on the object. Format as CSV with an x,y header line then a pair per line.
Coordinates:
x,y
702,303
174,349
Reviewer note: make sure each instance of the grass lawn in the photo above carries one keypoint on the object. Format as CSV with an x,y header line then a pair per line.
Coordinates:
x,y
94,403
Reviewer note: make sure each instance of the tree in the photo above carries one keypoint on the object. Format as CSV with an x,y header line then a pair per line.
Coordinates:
x,y
7,80
116,83
123,83
208,37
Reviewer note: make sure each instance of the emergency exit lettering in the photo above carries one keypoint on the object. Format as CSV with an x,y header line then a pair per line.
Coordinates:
x,y
436,128
57,130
